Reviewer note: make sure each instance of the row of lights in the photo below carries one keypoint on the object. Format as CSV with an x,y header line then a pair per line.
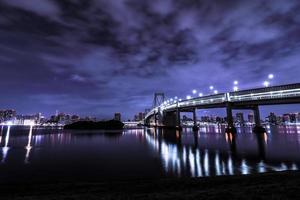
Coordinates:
x,y
212,89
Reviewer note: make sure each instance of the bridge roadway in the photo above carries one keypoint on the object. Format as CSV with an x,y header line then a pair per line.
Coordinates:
x,y
168,114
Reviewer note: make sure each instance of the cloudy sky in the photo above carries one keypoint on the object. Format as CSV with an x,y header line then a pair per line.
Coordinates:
x,y
97,57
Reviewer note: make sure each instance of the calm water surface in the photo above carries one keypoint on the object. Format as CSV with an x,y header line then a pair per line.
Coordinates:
x,y
50,155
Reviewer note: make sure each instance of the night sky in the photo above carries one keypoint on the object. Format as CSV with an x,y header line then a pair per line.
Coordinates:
x,y
97,57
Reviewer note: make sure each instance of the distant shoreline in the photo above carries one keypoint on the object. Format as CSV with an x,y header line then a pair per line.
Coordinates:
x,y
99,125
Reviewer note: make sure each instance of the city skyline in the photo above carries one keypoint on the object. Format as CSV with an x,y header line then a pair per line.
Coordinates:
x,y
11,116
98,57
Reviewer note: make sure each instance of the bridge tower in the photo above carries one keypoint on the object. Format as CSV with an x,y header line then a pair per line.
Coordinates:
x,y
159,98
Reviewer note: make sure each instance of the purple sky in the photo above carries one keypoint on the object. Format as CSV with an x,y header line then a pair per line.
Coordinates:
x,y
97,57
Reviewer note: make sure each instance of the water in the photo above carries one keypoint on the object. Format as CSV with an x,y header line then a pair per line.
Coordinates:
x,y
32,155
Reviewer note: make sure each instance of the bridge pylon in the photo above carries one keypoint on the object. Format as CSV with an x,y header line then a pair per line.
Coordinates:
x,y
159,98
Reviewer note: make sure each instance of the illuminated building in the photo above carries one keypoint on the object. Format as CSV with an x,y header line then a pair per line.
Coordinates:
x,y
251,118
240,118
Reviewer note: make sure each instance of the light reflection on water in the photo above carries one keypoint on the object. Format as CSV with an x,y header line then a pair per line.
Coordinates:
x,y
208,152
205,160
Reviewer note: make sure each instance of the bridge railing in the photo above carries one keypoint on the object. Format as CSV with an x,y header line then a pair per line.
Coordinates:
x,y
219,98
266,95
275,92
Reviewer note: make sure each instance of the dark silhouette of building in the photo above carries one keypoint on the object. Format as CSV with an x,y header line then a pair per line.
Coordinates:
x,y
117,116
272,118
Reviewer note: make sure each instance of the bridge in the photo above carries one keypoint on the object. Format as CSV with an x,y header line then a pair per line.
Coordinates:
x,y
167,114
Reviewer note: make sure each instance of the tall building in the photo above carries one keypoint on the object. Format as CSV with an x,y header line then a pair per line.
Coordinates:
x,y
293,117
286,118
272,118
205,119
251,118
240,118
6,115
117,116
139,116
298,118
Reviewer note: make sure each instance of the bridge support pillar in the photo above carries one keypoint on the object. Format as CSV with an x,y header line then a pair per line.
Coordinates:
x,y
195,127
230,126
178,124
155,119
258,128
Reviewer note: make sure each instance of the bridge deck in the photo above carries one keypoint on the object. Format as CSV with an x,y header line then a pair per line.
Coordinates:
x,y
283,94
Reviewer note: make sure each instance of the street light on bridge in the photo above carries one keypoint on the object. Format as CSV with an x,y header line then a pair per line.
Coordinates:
x,y
235,86
194,91
188,97
216,92
266,83
270,76
200,94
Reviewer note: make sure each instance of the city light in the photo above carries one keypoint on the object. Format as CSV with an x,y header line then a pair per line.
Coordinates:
x,y
235,88
9,123
200,94
270,76
266,83
188,97
194,91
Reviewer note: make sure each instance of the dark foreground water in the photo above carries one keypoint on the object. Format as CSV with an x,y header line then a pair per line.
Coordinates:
x,y
65,155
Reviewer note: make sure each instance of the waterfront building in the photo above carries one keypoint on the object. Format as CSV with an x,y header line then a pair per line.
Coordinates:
x,y
240,118
7,115
117,116
272,118
251,118
286,118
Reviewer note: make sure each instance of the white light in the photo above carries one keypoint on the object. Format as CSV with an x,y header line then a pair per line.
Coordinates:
x,y
266,83
194,91
175,97
235,82
270,76
9,123
171,99
211,87
235,88
179,99
216,91
188,97
200,95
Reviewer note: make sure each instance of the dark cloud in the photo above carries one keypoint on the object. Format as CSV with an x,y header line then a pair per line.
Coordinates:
x,y
99,57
